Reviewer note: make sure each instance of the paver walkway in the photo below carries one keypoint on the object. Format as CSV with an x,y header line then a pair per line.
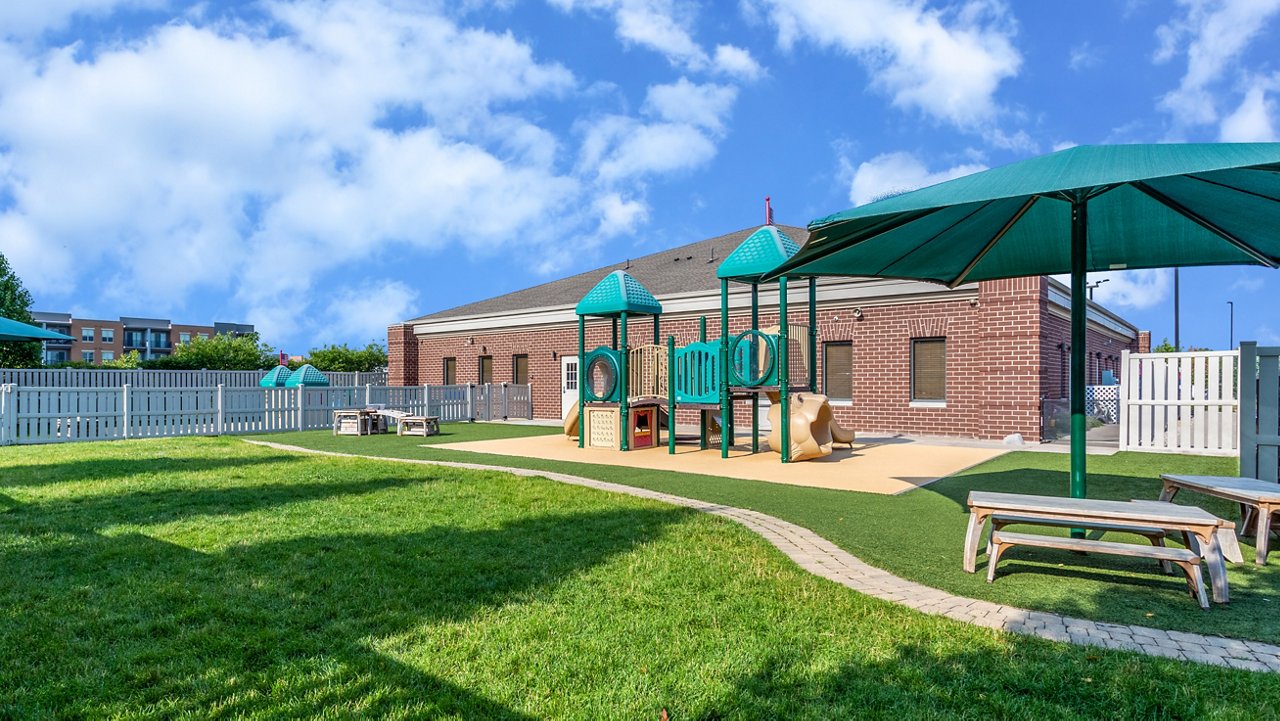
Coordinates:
x,y
823,558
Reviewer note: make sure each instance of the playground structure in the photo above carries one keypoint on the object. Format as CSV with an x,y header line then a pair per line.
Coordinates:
x,y
627,395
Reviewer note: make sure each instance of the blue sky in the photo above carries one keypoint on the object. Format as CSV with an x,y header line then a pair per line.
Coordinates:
x,y
322,169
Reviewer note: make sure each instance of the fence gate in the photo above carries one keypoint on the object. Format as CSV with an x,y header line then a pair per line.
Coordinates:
x,y
1180,402
1260,412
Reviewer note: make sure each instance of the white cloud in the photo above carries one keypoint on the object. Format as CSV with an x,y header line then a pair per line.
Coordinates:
x,y
1136,289
704,106
736,62
1255,118
1083,57
1064,145
893,173
363,312
945,63
659,25
1248,284
1212,34
223,158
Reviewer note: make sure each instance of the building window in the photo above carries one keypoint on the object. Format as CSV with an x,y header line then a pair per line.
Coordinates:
x,y
929,369
204,336
108,355
135,339
184,337
450,371
108,335
159,339
86,335
486,369
837,370
86,356
520,369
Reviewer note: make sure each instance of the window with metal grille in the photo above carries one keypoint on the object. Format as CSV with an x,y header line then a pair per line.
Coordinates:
x,y
837,370
520,369
450,371
928,369
486,369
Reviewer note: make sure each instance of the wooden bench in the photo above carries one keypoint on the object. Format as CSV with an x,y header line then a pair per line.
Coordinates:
x,y
1154,535
1185,559
1259,499
418,426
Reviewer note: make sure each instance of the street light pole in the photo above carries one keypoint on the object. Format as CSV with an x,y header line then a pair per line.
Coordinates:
x,y
1231,307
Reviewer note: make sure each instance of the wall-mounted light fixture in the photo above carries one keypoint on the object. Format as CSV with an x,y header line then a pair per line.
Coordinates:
x,y
471,340
857,314
554,356
973,302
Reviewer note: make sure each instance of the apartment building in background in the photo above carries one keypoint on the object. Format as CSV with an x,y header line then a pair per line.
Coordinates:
x,y
97,341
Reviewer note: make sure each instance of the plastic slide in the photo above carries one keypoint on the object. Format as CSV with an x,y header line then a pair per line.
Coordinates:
x,y
813,427
571,421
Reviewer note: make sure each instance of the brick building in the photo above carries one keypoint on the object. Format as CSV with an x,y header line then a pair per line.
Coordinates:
x,y
96,341
894,356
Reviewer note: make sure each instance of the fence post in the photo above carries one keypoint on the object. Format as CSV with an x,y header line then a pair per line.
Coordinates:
x,y
426,399
124,406
218,426
471,392
504,401
366,395
9,404
1124,399
301,410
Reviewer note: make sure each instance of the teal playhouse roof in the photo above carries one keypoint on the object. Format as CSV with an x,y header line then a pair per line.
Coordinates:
x,y
760,253
275,377
619,293
307,375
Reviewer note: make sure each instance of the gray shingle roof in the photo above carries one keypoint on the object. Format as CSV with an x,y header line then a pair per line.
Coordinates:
x,y
684,269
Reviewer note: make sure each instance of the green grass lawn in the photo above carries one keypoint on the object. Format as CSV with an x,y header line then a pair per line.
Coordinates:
x,y
920,535
209,577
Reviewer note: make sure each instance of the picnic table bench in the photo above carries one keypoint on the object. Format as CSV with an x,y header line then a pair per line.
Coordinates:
x,y
1259,499
358,422
418,426
1202,528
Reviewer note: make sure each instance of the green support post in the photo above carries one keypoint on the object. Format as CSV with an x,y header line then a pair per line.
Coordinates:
x,y
614,344
702,329
582,380
657,331
624,409
671,394
813,335
784,371
1079,310
702,414
755,397
726,405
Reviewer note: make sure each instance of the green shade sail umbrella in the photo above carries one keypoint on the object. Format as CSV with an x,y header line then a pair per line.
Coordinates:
x,y
1088,208
16,332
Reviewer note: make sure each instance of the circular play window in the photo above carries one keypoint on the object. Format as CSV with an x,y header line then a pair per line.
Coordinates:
x,y
753,356
602,378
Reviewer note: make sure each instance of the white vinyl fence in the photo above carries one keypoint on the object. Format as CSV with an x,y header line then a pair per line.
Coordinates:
x,y
1180,402
57,415
138,378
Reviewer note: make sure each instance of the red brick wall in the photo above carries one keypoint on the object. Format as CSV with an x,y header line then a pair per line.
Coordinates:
x,y
1001,356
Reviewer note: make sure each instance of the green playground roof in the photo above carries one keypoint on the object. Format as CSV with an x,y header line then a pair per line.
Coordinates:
x,y
760,253
618,293
307,375
275,377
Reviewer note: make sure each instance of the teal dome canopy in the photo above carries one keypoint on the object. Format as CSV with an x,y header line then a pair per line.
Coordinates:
x,y
618,293
275,377
307,375
760,253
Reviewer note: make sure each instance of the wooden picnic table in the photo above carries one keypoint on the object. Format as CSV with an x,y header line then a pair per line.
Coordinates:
x,y
1197,523
358,422
1260,498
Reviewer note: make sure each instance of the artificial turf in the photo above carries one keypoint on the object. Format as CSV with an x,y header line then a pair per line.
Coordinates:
x,y
213,578
919,535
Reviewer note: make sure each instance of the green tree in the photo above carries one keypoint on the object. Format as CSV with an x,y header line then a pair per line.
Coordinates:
x,y
15,304
341,358
1164,347
127,361
223,352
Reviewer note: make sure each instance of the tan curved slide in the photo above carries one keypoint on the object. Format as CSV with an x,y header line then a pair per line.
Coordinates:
x,y
571,421
813,427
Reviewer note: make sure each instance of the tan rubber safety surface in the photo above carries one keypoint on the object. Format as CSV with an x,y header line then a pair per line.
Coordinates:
x,y
879,465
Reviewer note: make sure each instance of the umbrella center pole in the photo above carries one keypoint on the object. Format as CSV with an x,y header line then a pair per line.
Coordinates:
x,y
1079,328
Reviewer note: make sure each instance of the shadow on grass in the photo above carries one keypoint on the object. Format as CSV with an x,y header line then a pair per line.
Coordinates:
x,y
30,475
302,627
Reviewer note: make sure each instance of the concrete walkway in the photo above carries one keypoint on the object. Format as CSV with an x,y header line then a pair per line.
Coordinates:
x,y
823,558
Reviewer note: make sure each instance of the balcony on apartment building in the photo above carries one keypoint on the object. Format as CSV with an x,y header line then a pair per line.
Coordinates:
x,y
148,336
56,322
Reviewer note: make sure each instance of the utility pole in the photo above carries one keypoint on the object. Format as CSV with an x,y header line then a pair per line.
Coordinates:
x,y
1231,307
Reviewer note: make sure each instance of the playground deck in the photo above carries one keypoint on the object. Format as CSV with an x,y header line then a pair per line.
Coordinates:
x,y
886,466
